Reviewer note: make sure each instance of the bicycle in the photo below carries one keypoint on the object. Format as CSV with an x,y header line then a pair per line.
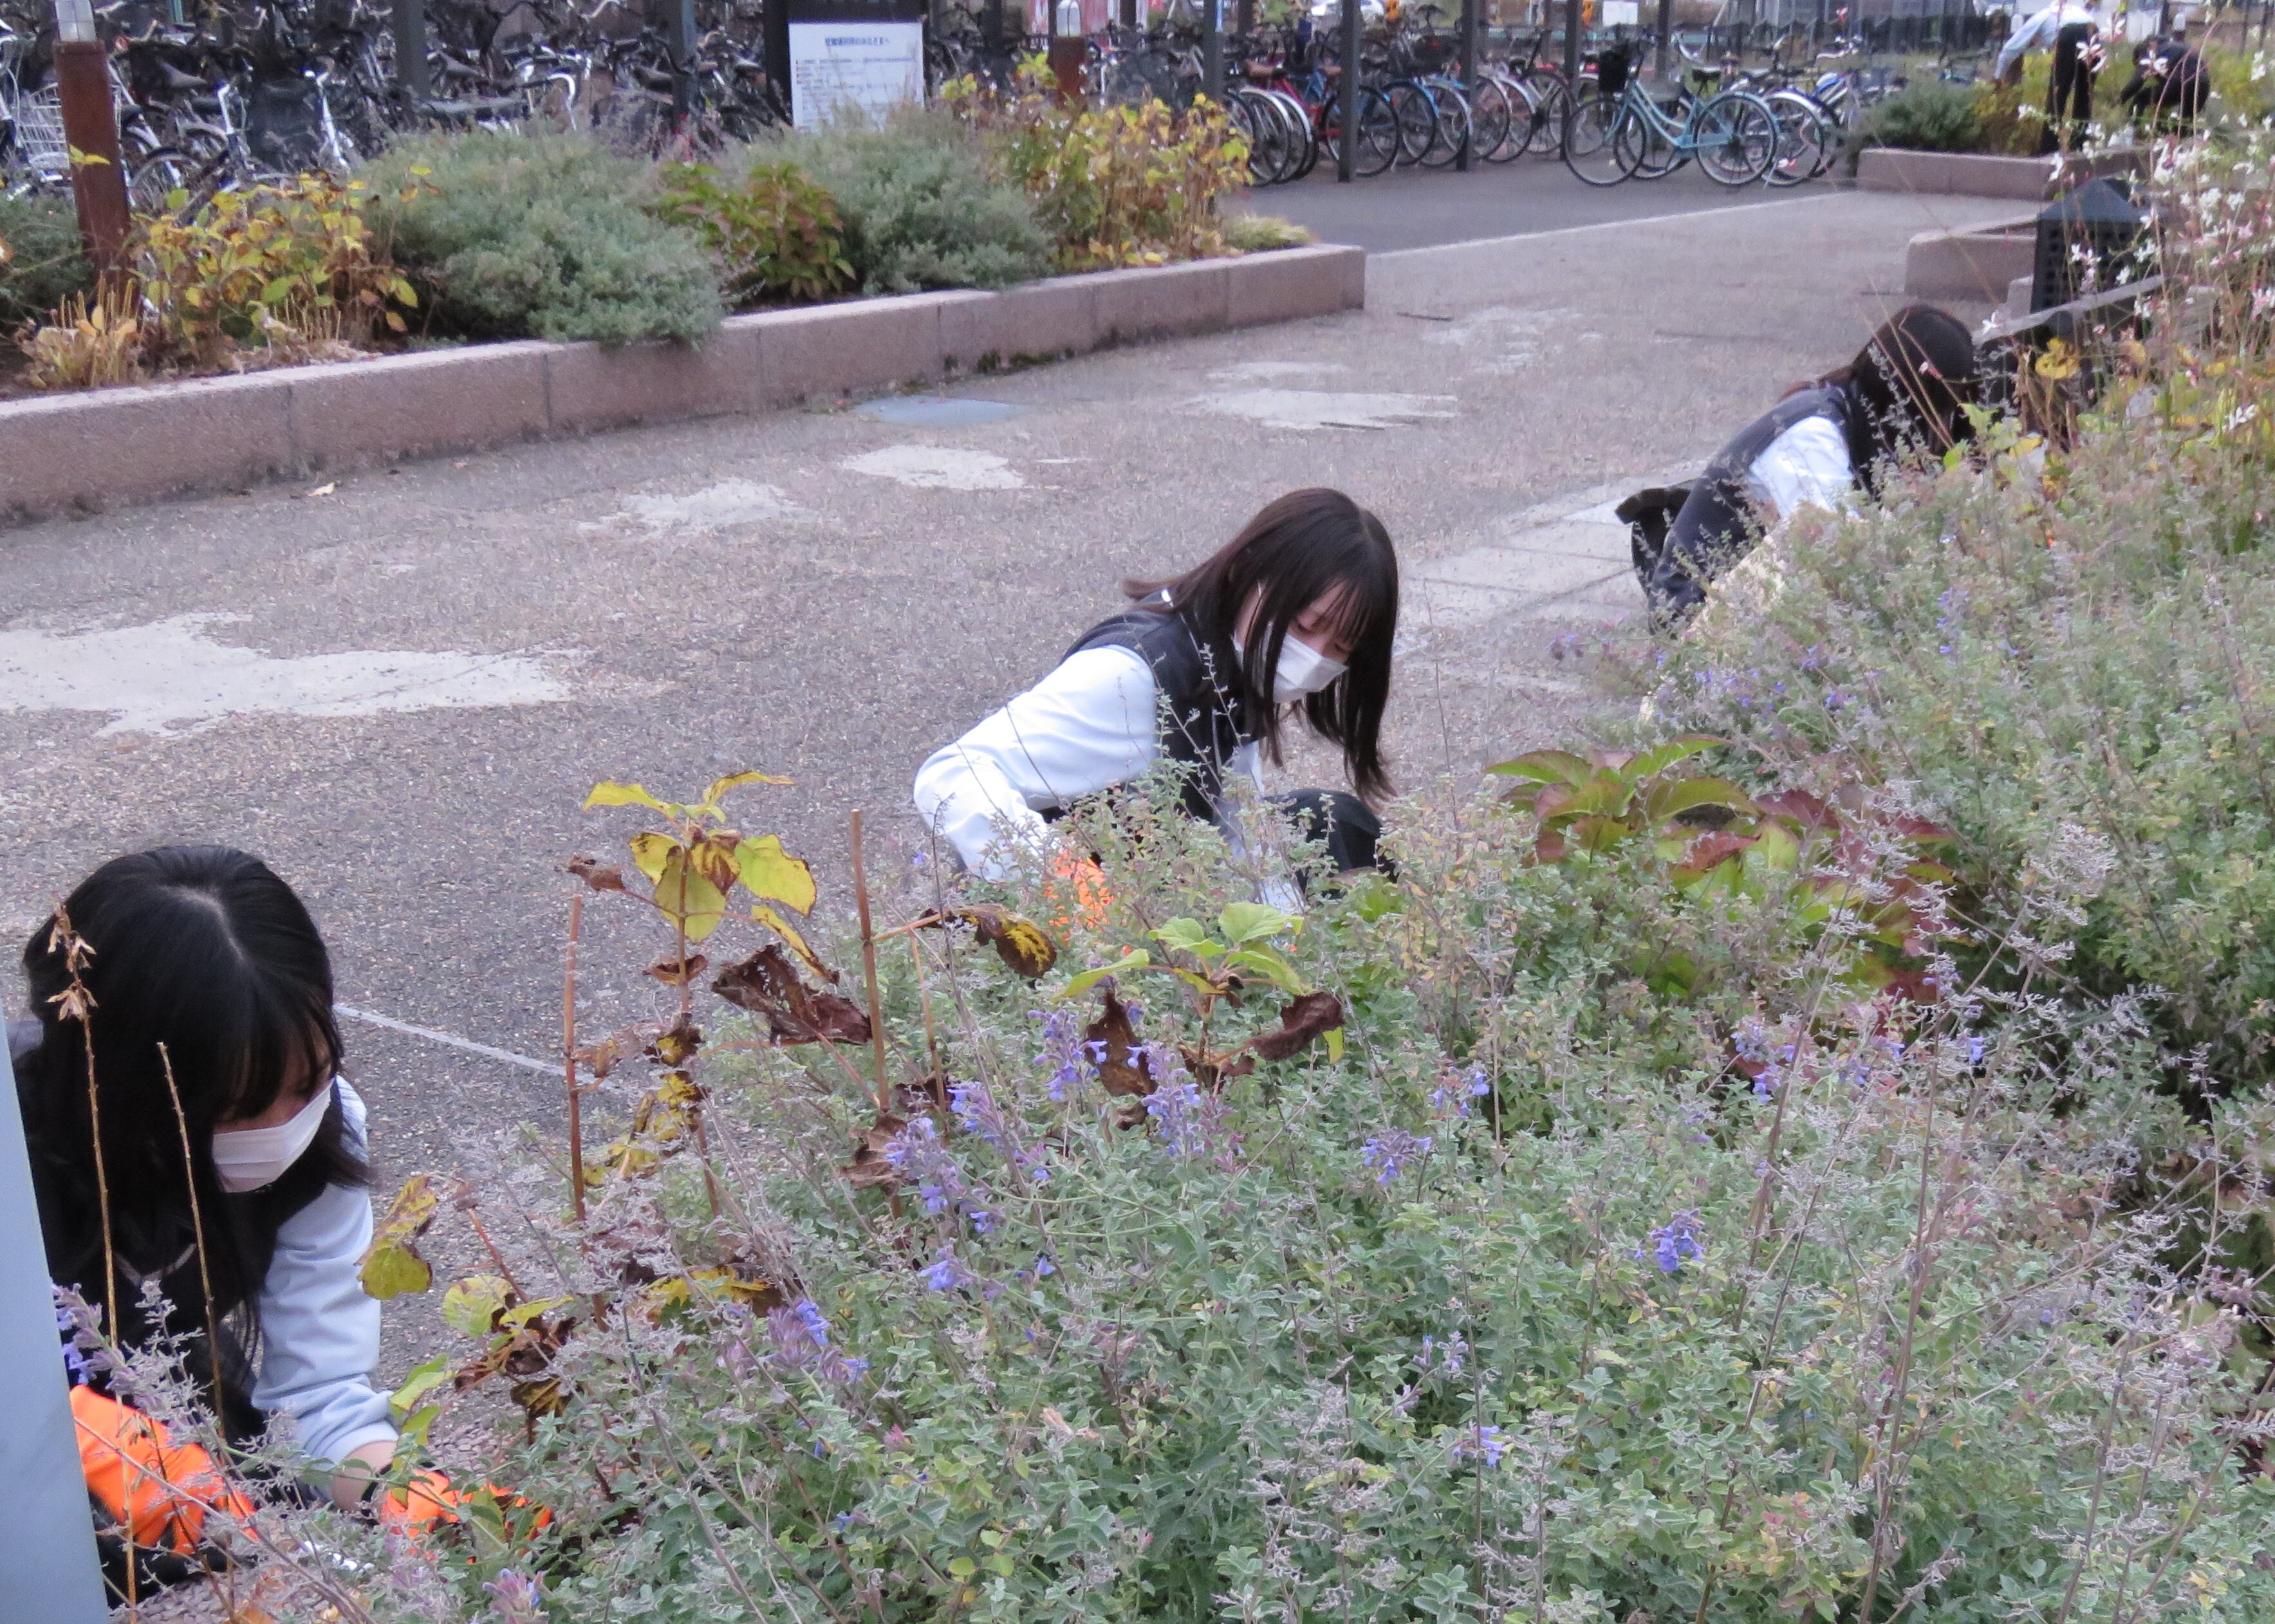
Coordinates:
x,y
1733,135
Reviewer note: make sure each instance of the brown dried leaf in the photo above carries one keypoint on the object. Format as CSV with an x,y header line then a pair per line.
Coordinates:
x,y
599,875
1300,1022
679,972
676,1044
1212,1068
869,1169
765,984
924,1093
1121,1064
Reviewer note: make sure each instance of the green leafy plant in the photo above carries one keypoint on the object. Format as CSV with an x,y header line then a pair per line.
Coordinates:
x,y
1114,186
1262,233
1928,116
921,208
291,267
777,235
530,236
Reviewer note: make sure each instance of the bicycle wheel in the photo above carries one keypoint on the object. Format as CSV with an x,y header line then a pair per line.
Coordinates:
x,y
1551,100
1491,121
1656,155
1804,141
1306,137
1451,137
1600,144
1416,118
1735,138
1377,144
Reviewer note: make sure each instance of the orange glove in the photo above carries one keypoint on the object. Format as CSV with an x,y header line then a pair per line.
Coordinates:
x,y
418,1507
429,1501
160,1492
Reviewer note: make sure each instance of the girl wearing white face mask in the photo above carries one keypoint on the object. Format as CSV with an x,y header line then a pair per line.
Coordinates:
x,y
205,952
1294,616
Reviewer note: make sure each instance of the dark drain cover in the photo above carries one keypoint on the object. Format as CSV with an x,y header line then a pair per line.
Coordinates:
x,y
938,411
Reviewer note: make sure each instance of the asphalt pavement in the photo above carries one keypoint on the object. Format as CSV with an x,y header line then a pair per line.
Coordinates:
x,y
1423,209
398,688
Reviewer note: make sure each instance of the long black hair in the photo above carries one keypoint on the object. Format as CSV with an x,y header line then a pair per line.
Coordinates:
x,y
1305,545
205,951
1912,381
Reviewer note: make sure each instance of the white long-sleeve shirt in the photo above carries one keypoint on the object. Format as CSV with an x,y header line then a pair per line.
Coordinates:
x,y
1807,465
1087,726
2039,31
318,1330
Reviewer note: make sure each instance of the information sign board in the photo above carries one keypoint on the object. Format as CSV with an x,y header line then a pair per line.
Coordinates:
x,y
860,56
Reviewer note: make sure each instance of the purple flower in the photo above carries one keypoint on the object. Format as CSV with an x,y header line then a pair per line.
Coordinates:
x,y
1389,1152
975,1107
1676,1242
1062,1049
517,1598
1186,1116
919,1156
74,1362
948,1273
1488,1443
801,1337
1447,1358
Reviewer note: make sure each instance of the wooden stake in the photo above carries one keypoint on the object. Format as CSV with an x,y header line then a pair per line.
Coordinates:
x,y
869,970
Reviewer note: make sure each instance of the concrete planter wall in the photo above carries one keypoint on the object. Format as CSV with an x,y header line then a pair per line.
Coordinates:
x,y
2033,180
112,446
1977,265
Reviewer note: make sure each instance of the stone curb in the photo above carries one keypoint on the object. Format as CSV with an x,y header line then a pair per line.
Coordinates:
x,y
108,448
1973,174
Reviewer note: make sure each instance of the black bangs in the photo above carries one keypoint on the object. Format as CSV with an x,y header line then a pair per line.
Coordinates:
x,y
1307,545
211,988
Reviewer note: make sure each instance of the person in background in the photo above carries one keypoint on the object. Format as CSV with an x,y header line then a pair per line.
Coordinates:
x,y
1904,392
2073,33
2170,83
1292,617
206,992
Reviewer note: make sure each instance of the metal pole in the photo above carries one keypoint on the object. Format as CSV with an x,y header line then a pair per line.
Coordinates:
x,y
91,129
1350,90
683,52
47,1569
1572,46
1212,50
410,50
1469,9
1666,41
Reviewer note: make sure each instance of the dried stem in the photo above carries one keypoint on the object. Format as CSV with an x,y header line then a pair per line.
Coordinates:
x,y
205,1273
568,1058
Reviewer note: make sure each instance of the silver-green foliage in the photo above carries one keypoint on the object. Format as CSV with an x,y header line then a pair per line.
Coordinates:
x,y
539,236
1556,1299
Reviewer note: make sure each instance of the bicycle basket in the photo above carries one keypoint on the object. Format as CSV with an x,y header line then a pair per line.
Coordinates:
x,y
40,143
284,125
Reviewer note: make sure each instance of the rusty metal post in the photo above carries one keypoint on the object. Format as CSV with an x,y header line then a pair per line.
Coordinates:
x,y
1069,51
91,127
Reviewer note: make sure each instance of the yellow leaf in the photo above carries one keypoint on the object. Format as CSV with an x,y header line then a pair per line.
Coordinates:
x,y
391,1265
689,898
471,1306
651,851
769,870
613,794
720,785
783,928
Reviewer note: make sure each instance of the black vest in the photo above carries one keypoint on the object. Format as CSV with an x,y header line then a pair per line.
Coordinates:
x,y
1202,719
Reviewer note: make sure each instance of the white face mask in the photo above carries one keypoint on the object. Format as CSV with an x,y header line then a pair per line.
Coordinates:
x,y
1302,670
249,1158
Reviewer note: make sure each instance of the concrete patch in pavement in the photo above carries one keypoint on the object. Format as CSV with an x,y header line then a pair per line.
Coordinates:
x,y
171,677
938,468
1307,410
715,507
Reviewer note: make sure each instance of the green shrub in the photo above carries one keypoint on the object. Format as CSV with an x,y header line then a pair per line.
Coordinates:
x,y
1928,116
44,266
921,209
521,235
1261,233
777,235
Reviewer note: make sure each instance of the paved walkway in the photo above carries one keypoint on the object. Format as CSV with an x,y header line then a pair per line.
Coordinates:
x,y
400,689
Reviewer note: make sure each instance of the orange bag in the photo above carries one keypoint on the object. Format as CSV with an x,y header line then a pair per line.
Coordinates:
x,y
159,1492
429,1501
